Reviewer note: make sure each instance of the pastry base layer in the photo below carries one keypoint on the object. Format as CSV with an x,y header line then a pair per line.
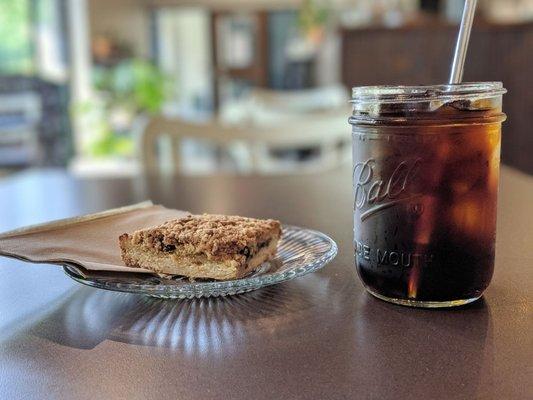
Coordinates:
x,y
192,265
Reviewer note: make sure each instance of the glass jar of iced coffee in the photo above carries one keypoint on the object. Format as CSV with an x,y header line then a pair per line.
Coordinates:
x,y
425,179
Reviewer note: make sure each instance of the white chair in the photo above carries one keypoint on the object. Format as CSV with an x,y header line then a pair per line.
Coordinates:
x,y
162,139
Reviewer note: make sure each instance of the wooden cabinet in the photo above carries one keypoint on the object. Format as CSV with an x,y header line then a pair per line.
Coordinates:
x,y
422,55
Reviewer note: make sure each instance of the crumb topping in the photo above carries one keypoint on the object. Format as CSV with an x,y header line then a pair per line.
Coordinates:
x,y
213,235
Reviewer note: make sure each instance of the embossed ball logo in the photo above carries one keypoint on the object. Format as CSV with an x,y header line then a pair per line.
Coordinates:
x,y
374,193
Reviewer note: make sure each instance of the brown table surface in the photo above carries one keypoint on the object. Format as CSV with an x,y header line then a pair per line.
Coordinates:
x,y
317,337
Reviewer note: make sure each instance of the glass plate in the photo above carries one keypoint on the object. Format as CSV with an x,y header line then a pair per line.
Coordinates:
x,y
300,251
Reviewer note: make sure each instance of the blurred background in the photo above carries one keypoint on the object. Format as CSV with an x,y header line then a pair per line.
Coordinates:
x,y
118,87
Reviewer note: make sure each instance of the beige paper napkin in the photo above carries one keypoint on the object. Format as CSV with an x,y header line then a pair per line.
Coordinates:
x,y
89,241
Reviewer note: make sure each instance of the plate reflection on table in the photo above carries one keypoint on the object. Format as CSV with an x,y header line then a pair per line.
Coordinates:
x,y
197,326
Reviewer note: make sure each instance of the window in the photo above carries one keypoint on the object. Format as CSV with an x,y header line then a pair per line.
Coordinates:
x,y
16,48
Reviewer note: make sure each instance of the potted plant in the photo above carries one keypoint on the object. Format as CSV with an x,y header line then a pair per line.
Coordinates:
x,y
130,90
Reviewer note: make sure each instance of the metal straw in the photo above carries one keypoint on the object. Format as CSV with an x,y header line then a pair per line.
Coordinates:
x,y
461,46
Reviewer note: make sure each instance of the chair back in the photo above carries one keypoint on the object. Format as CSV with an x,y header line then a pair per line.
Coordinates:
x,y
254,139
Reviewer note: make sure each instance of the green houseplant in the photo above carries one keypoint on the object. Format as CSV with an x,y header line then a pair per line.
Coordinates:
x,y
313,17
126,91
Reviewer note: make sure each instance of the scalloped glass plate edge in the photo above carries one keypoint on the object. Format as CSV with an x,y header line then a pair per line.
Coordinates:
x,y
300,252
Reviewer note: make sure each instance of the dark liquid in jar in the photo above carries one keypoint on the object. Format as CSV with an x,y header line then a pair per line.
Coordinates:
x,y
425,206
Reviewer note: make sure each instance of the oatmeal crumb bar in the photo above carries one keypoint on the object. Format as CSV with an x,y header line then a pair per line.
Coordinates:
x,y
203,246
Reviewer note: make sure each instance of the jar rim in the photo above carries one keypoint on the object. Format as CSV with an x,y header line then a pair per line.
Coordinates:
x,y
425,93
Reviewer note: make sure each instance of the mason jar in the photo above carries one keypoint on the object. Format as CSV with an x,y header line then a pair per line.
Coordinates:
x,y
425,183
